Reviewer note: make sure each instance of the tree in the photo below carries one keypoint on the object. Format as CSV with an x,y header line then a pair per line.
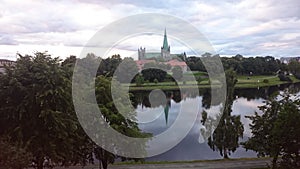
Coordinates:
x,y
13,156
294,68
139,80
112,116
109,65
225,138
276,132
36,110
177,73
126,70
153,71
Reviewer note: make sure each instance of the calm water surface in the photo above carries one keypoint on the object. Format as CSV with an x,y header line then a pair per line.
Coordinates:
x,y
162,114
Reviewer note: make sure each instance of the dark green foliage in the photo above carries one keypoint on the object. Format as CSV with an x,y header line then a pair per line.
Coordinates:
x,y
12,155
294,68
109,65
153,73
126,70
155,70
265,81
139,80
257,65
114,118
276,132
36,110
195,64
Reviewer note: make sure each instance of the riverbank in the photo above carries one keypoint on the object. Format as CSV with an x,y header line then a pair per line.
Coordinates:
x,y
244,82
242,163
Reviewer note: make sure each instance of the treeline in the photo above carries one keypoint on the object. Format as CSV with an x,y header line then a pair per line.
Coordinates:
x,y
241,65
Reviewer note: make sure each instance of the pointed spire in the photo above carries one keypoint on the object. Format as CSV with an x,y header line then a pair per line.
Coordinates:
x,y
165,44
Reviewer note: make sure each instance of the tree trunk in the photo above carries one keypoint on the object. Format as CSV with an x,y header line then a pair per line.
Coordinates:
x,y
104,164
274,162
40,162
40,165
100,164
225,154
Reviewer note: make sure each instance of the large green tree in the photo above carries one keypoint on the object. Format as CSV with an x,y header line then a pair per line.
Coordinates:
x,y
126,70
36,110
13,155
154,71
112,116
294,68
276,132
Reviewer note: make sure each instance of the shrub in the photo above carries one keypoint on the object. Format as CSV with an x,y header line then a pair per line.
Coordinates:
x,y
13,156
139,80
266,81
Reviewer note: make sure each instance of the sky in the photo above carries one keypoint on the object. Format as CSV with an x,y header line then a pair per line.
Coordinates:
x,y
246,27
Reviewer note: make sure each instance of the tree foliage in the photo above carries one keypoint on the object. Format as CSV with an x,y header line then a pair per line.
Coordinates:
x,y
126,70
153,71
112,116
242,65
294,68
276,132
13,155
36,110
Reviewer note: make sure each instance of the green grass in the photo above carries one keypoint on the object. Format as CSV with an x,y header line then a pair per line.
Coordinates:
x,y
243,82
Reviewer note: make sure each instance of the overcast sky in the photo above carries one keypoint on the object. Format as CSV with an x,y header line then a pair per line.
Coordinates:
x,y
247,27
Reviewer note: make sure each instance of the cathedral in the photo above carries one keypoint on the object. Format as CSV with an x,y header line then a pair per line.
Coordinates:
x,y
164,54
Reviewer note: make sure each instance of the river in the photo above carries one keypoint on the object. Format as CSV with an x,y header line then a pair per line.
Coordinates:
x,y
164,113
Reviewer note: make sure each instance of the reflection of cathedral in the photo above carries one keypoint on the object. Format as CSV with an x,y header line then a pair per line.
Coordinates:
x,y
164,54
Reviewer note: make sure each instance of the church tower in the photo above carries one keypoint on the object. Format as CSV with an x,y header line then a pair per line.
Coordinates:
x,y
141,53
165,49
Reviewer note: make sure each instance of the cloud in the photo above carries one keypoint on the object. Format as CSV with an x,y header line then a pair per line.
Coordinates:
x,y
7,40
248,27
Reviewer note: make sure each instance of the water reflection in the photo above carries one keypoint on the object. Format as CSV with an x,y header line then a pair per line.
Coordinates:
x,y
246,102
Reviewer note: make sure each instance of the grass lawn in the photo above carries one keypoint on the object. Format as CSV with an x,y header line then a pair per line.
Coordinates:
x,y
243,82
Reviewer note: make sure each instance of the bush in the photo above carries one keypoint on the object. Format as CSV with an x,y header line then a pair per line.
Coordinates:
x,y
266,81
155,81
139,80
13,156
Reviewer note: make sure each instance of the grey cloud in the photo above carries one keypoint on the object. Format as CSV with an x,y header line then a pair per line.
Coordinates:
x,y
242,26
7,40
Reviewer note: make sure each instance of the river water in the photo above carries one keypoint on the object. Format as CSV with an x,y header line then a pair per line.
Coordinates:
x,y
163,115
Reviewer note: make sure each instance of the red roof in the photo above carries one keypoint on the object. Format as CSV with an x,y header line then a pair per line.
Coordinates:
x,y
176,62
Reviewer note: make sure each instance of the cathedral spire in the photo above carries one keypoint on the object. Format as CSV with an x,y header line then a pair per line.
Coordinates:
x,y
165,44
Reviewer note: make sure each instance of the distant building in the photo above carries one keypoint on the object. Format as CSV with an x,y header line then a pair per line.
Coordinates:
x,y
287,60
5,62
175,62
164,55
140,63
